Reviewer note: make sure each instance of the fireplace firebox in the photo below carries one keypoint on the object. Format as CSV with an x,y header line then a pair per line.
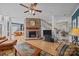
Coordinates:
x,y
32,34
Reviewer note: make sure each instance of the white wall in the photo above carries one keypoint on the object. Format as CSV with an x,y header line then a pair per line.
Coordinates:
x,y
3,21
62,22
17,20
45,26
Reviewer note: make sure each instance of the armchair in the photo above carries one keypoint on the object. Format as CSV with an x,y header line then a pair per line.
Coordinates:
x,y
3,39
7,48
7,44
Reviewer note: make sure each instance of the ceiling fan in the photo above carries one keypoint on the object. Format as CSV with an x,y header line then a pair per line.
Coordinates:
x,y
32,8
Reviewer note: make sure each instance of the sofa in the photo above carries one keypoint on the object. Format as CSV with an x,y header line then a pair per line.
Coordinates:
x,y
7,46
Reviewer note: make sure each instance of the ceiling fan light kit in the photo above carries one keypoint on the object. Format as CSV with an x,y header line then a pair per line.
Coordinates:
x,y
32,9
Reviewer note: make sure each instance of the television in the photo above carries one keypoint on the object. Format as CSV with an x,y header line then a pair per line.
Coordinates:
x,y
48,35
47,32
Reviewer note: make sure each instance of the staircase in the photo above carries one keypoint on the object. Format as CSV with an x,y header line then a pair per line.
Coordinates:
x,y
46,24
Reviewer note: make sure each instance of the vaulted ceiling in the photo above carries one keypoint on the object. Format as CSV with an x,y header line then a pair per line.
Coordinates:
x,y
48,10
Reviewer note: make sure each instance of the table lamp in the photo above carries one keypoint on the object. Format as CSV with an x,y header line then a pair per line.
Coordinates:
x,y
75,32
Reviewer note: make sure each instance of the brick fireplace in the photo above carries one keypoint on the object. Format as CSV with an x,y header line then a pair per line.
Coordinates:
x,y
33,28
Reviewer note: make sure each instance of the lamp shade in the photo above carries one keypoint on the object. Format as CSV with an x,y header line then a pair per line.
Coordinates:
x,y
74,32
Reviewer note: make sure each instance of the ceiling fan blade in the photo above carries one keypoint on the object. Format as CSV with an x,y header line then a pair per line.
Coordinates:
x,y
38,10
26,11
23,5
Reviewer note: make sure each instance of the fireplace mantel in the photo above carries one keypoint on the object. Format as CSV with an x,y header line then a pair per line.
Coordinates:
x,y
33,25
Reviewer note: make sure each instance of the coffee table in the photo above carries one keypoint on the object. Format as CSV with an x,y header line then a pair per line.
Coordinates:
x,y
48,47
25,49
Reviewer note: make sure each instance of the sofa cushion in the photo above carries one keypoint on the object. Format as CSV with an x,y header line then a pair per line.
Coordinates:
x,y
64,49
2,37
1,41
7,44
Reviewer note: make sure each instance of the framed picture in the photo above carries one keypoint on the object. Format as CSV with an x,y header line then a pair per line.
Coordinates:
x,y
32,22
